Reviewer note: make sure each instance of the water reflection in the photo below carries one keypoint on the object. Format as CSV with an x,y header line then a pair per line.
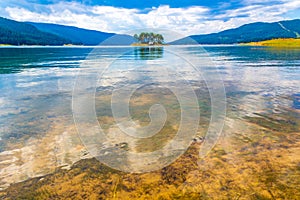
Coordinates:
x,y
148,53
252,54
296,101
16,60
262,87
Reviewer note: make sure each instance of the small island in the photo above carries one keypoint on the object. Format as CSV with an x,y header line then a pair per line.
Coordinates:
x,y
148,39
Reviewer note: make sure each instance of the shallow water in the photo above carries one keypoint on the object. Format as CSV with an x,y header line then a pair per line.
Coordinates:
x,y
36,84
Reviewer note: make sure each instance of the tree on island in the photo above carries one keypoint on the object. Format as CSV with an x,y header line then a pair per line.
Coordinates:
x,y
149,38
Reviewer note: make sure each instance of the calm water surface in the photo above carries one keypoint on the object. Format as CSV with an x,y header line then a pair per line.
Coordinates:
x,y
36,83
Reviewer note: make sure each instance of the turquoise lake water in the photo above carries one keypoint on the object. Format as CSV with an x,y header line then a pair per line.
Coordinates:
x,y
36,83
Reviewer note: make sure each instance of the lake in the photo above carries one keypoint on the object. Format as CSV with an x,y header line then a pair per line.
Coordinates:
x,y
38,107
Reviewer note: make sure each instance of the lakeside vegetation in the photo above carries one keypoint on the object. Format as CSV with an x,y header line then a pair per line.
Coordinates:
x,y
280,43
147,39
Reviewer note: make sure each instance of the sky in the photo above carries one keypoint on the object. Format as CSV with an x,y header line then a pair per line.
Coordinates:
x,y
186,17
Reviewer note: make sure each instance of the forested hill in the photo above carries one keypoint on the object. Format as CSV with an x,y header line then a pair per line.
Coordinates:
x,y
30,33
247,33
76,35
20,33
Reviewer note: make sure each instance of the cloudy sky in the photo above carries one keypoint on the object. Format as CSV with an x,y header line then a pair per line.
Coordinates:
x,y
183,16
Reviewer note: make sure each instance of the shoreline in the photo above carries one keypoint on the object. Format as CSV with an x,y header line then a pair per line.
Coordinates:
x,y
276,43
148,45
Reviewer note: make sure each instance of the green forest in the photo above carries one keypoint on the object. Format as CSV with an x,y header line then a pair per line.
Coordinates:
x,y
18,33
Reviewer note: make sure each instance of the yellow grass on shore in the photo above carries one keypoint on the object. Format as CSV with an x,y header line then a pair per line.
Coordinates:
x,y
281,42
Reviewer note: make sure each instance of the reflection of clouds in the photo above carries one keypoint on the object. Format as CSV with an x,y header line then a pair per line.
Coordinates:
x,y
2,102
266,82
51,80
111,79
65,82
29,84
255,79
64,63
7,108
150,68
30,98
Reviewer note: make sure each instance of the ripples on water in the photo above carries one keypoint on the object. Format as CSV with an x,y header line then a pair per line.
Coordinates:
x,y
261,132
36,83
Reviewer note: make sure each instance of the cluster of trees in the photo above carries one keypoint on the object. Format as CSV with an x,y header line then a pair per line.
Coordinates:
x,y
149,38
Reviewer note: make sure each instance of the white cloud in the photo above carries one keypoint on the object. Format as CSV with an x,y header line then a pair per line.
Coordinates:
x,y
187,21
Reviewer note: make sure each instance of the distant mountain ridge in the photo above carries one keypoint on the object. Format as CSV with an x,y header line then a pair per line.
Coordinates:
x,y
76,35
84,36
19,33
31,33
253,32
